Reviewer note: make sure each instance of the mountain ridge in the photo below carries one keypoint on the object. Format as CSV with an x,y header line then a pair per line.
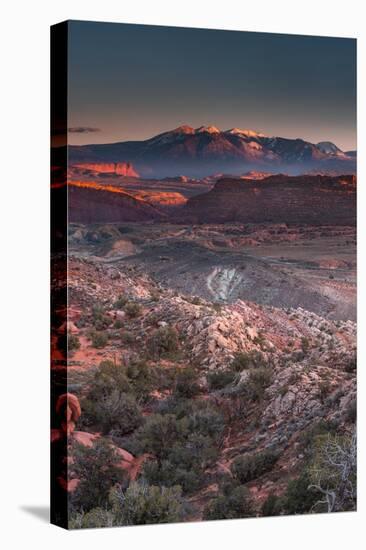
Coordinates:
x,y
205,150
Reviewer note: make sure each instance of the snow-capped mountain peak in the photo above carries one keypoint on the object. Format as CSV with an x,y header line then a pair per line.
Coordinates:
x,y
244,132
208,129
329,148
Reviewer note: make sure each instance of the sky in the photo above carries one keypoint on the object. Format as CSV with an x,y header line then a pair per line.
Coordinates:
x,y
131,82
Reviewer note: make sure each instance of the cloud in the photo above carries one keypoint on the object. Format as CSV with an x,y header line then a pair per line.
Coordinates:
x,y
82,130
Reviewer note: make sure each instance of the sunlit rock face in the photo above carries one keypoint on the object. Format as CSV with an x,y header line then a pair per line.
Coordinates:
x,y
118,168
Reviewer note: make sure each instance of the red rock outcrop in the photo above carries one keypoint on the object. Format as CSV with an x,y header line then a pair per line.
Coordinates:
x,y
118,168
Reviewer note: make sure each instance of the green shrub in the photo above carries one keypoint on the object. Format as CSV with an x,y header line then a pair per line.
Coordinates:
x,y
324,389
272,506
218,380
183,447
159,433
143,504
305,344
259,379
250,466
118,324
101,321
236,504
168,474
333,470
115,413
163,343
127,337
351,364
120,302
96,518
133,309
207,422
253,387
73,342
351,411
98,339
97,471
107,378
247,360
310,435
186,383
185,464
144,378
299,498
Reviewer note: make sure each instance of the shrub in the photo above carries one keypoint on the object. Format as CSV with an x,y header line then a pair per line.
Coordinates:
x,y
143,378
118,324
163,342
220,379
120,302
101,321
107,378
97,517
299,497
132,309
259,379
305,344
159,433
185,464
186,383
127,337
272,506
246,360
351,364
143,504
324,389
206,421
97,471
310,435
116,413
351,411
250,466
236,504
99,339
333,472
168,474
73,342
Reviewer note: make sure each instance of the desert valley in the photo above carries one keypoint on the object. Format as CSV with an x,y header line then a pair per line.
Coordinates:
x,y
211,328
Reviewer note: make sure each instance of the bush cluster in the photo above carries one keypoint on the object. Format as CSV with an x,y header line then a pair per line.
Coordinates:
x,y
234,502
183,445
250,466
163,343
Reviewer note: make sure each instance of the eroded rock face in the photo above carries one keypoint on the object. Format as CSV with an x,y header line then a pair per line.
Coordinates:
x,y
118,168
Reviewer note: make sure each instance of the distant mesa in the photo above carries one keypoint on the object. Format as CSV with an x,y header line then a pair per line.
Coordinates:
x,y
317,200
118,168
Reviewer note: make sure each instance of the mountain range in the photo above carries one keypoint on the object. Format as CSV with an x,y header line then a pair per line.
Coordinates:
x,y
198,152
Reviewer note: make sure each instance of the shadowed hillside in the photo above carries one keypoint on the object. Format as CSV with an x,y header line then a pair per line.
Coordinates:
x,y
277,199
91,202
